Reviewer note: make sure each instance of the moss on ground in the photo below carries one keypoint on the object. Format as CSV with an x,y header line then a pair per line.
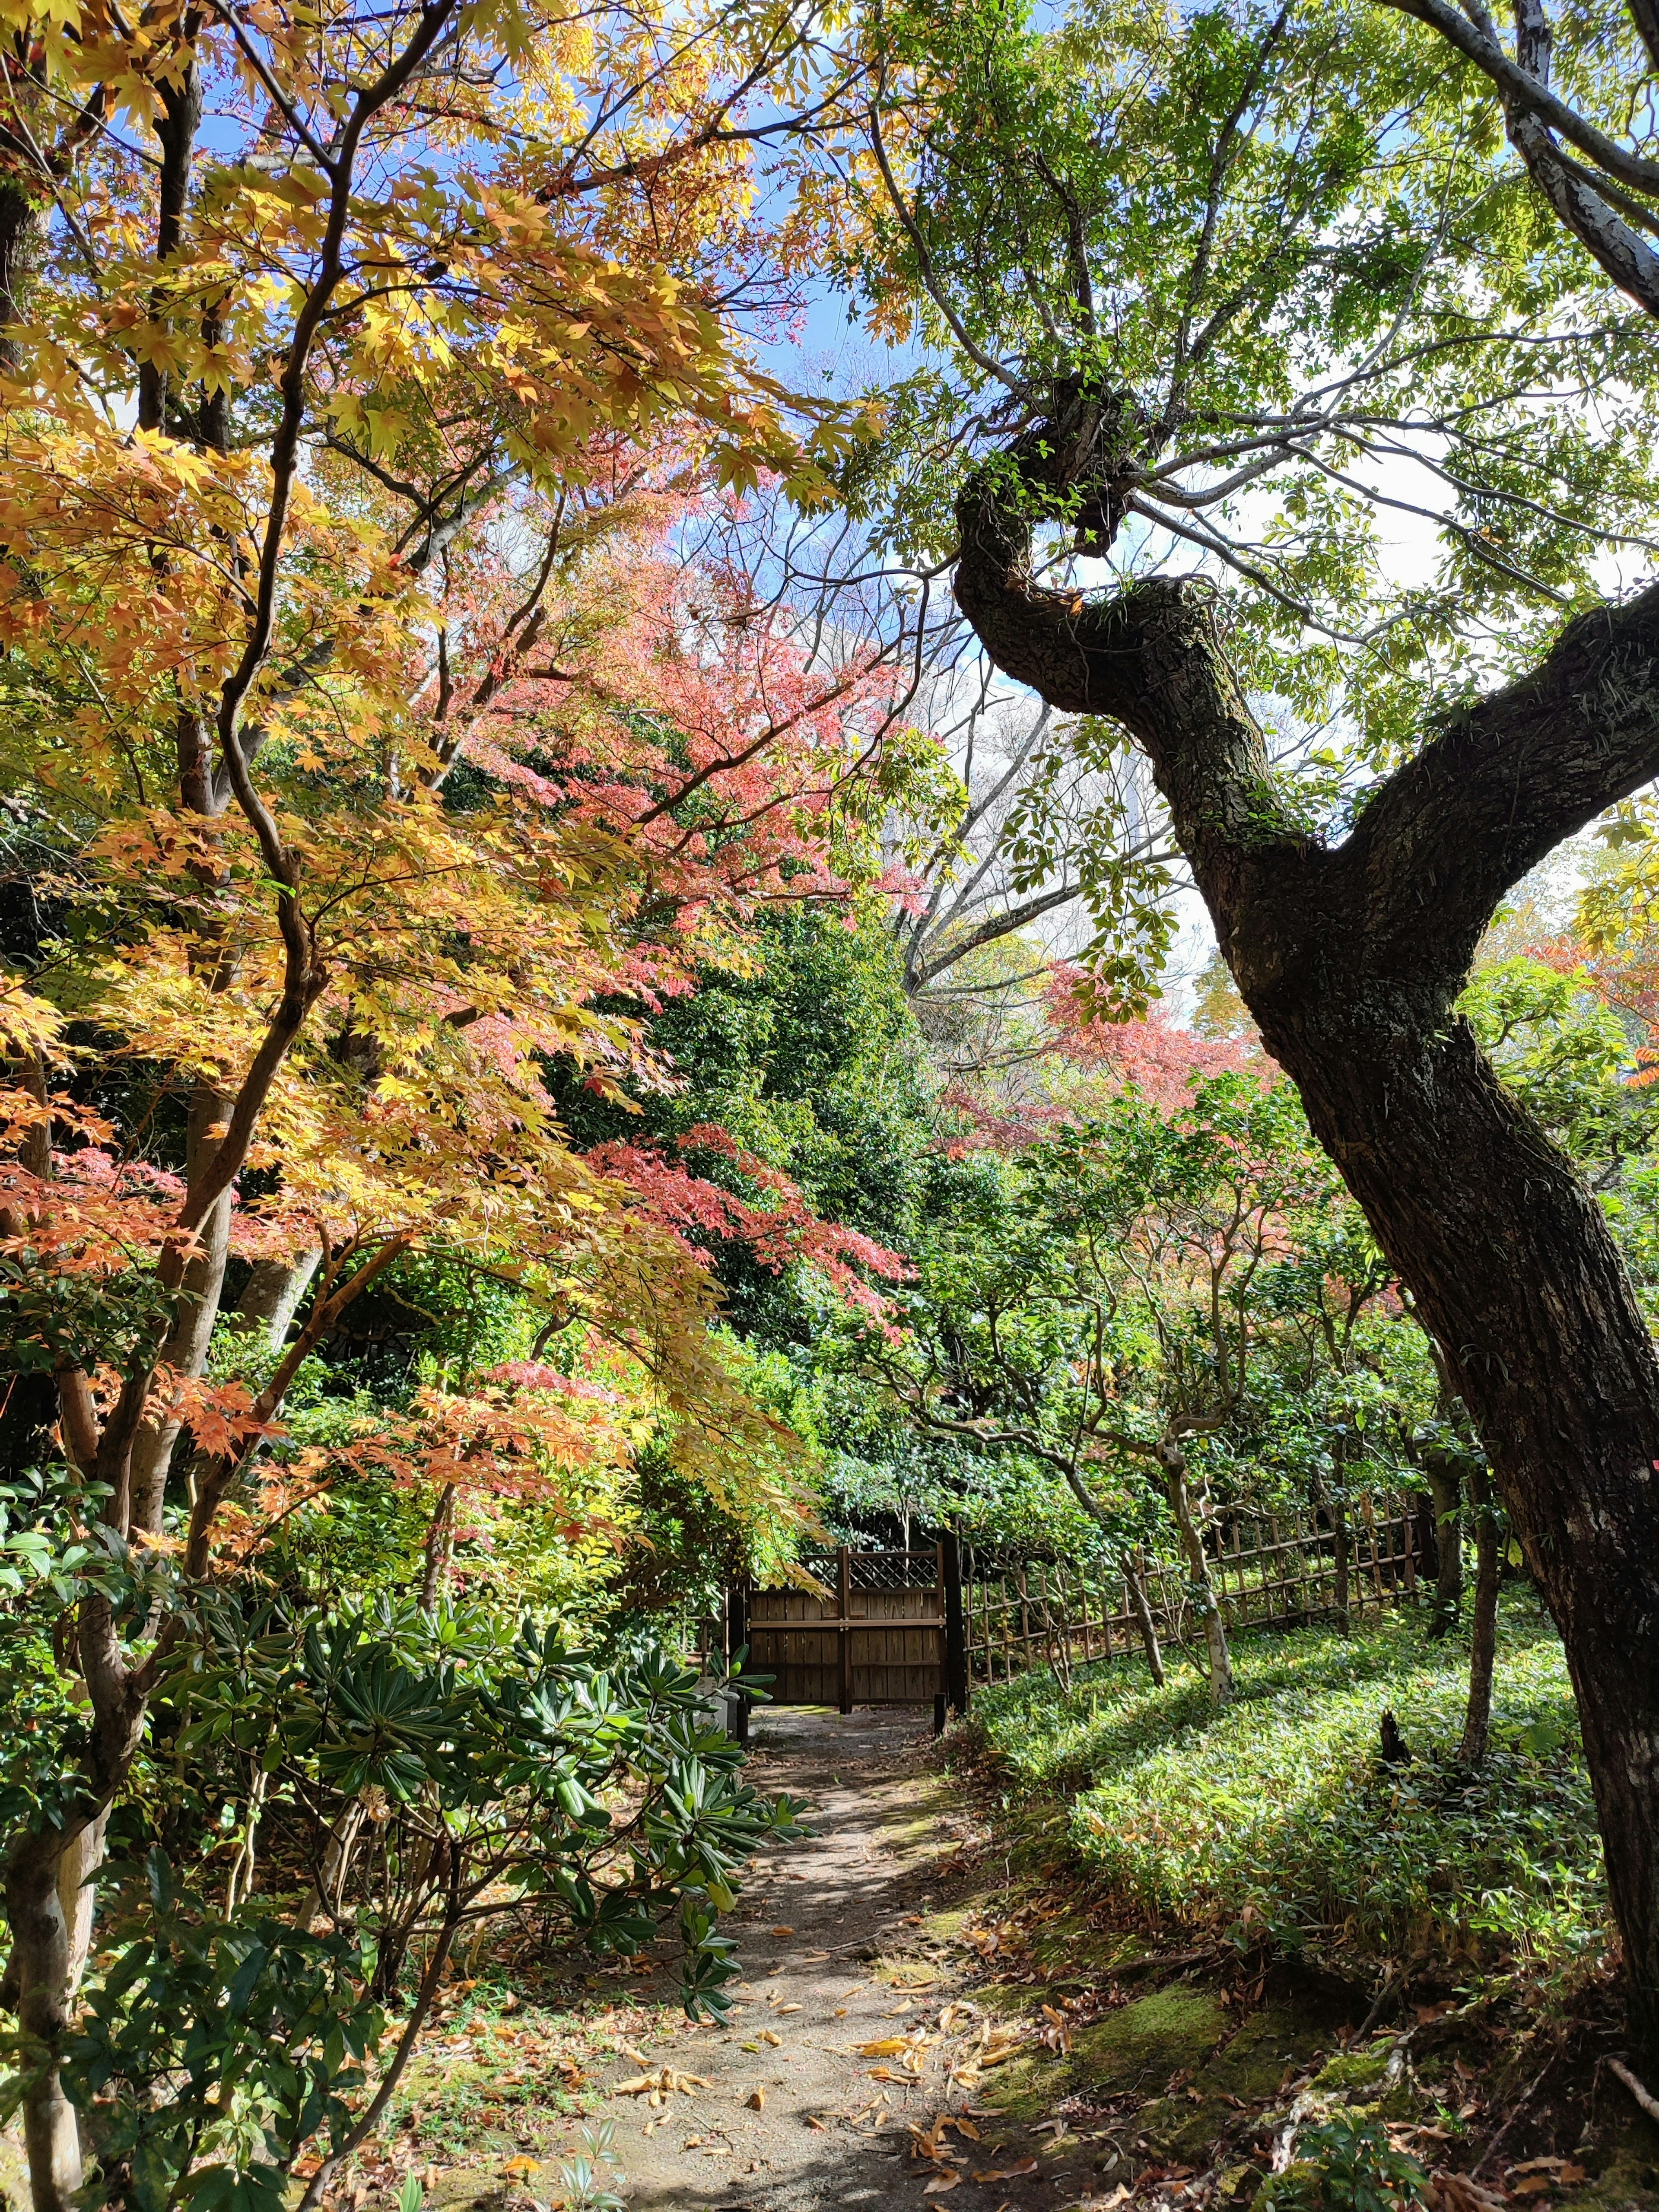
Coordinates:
x,y
1138,2047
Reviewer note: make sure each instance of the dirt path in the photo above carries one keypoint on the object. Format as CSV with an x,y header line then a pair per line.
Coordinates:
x,y
795,2113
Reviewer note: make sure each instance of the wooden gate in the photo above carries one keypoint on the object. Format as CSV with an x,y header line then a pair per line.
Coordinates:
x,y
881,1630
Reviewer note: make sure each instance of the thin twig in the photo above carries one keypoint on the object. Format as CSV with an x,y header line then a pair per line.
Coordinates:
x,y
1644,2097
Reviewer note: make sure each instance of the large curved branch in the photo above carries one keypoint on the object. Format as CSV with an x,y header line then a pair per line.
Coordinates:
x,y
1505,782
1149,658
1408,894
1520,89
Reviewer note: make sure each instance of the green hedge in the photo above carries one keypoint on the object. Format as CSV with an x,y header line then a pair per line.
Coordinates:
x,y
1280,1819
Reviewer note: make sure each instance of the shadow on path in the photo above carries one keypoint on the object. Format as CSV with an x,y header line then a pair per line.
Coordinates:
x,y
824,1928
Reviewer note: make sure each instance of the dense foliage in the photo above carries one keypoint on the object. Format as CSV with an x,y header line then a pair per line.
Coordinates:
x,y
1277,1824
474,1181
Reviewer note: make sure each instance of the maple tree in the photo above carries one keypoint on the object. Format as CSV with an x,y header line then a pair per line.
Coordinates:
x,y
370,745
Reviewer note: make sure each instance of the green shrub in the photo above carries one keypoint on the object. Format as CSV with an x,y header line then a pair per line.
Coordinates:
x,y
1345,2165
1277,1819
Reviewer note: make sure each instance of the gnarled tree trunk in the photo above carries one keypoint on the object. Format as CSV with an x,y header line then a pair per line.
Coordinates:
x,y
1174,1462
1350,957
1135,1583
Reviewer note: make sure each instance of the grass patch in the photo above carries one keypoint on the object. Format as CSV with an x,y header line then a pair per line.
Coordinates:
x,y
1277,1819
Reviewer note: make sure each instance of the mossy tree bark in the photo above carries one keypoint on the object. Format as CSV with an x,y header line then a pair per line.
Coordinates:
x,y
1350,957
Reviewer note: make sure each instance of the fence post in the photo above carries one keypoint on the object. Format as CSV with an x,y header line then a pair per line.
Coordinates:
x,y
844,1635
1407,1537
956,1629
736,1635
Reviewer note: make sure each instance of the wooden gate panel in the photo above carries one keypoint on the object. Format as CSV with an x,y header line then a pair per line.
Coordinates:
x,y
887,1647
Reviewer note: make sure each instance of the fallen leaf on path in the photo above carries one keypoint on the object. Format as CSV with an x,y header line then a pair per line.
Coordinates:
x,y
1531,2184
1008,2173
655,2086
888,2047
817,2125
994,2054
770,2035
783,1931
521,2169
788,2007
756,2101
964,2127
938,2188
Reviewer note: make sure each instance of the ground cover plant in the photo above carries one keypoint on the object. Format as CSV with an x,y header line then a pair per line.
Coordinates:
x,y
1282,1822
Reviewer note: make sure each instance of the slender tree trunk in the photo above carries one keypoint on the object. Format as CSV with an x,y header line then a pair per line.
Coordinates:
x,y
439,1543
1336,1505
1446,1488
1134,1582
239,1882
326,1891
38,1970
272,1296
1342,1551
191,1336
1482,1645
1425,1538
1198,1568
22,234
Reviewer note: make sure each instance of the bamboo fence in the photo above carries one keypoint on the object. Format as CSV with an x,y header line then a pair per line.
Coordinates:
x,y
1277,1571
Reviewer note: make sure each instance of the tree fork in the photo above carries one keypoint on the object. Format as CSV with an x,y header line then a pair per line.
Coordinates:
x,y
1351,958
